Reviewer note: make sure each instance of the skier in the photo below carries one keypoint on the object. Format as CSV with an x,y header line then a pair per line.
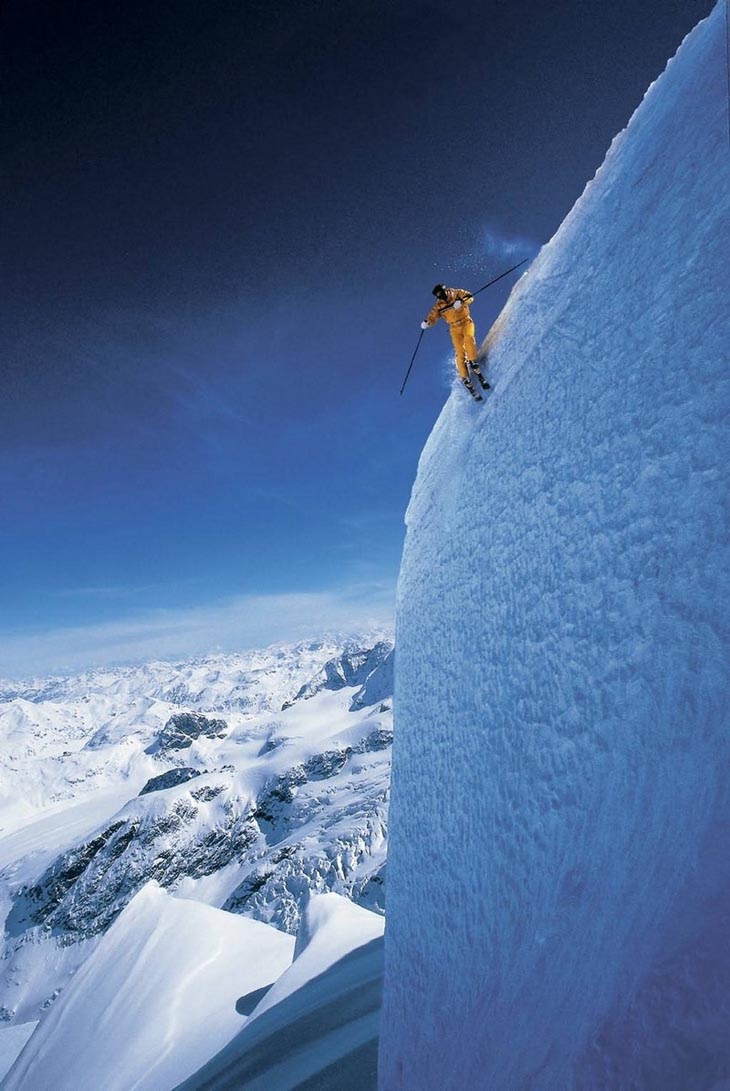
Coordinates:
x,y
452,304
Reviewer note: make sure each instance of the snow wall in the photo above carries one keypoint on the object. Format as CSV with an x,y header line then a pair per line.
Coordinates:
x,y
559,868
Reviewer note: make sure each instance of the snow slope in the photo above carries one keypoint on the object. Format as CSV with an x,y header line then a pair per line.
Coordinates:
x,y
12,1040
330,928
559,873
317,1027
154,1001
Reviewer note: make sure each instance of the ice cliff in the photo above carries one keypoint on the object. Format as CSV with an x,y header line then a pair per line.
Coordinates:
x,y
559,869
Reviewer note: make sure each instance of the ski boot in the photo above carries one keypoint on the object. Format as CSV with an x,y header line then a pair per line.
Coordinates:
x,y
478,372
470,387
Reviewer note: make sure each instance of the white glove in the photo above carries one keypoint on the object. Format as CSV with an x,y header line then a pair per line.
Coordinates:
x,y
424,325
457,305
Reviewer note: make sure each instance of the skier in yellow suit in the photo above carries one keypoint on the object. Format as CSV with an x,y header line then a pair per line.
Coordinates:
x,y
452,304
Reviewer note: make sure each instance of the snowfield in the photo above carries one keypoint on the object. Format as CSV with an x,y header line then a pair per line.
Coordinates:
x,y
165,826
559,868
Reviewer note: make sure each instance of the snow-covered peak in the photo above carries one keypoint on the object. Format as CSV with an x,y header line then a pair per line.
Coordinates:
x,y
350,668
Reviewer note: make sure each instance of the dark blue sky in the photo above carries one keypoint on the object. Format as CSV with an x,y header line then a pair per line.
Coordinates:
x,y
220,228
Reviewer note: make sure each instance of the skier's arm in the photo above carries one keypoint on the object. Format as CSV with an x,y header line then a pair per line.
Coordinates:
x,y
433,315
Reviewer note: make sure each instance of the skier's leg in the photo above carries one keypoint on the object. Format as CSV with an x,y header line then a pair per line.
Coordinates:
x,y
462,367
457,340
469,340
472,353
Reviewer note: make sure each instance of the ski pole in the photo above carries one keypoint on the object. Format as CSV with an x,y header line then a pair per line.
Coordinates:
x,y
418,345
489,283
506,273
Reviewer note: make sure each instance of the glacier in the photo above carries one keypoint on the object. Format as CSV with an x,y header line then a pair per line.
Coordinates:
x,y
559,864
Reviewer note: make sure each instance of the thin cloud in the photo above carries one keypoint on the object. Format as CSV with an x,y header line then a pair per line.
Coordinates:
x,y
489,255
246,621
499,245
498,248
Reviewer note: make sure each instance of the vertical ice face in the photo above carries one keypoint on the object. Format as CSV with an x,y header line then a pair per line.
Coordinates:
x,y
559,869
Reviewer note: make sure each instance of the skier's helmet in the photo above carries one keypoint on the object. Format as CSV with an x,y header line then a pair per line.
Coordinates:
x,y
439,291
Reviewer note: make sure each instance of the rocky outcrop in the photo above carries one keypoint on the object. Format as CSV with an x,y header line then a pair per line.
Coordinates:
x,y
170,779
182,729
86,888
378,686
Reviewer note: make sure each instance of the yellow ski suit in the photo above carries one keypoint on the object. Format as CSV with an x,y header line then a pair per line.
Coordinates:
x,y
461,326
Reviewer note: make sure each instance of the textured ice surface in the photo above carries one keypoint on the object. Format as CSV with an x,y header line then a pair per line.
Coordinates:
x,y
559,869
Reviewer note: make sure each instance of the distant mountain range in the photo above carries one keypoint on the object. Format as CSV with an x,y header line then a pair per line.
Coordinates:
x,y
243,781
